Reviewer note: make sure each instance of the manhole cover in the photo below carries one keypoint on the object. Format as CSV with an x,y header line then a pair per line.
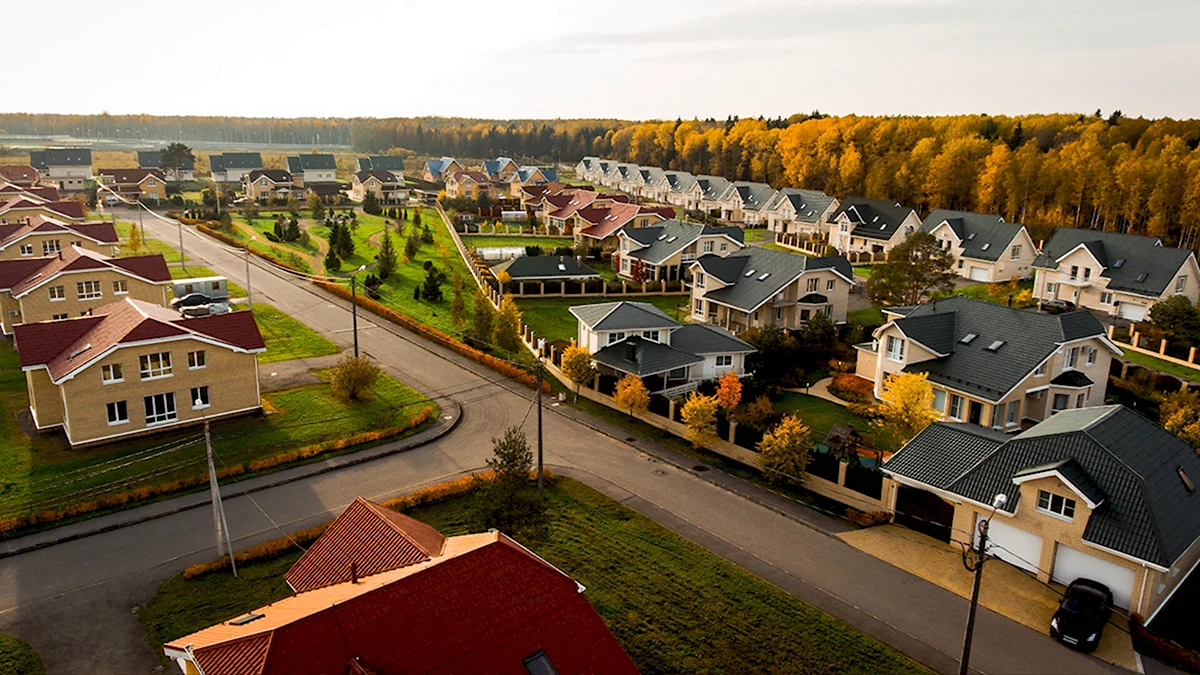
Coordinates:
x,y
630,439
659,472
699,467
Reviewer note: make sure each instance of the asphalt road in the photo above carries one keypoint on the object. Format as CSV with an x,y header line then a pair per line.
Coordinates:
x,y
76,602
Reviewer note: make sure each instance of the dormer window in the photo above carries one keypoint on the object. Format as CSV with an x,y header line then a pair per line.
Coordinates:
x,y
895,348
1056,505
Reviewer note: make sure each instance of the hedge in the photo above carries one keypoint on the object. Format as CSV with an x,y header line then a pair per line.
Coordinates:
x,y
500,366
1158,647
852,388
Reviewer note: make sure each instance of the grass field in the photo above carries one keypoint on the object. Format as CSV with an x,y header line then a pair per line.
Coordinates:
x,y
820,415
1189,374
550,318
44,474
264,224
287,338
673,606
864,271
149,246
488,240
757,234
365,249
261,245
871,316
18,658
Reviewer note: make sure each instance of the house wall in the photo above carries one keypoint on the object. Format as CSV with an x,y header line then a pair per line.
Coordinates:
x,y
44,399
153,189
8,305
231,378
1002,269
846,242
320,175
708,370
64,238
37,305
1089,295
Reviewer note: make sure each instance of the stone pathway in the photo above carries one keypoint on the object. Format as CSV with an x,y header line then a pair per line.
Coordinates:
x,y
820,389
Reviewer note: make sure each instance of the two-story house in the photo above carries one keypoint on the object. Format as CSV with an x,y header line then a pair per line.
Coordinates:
x,y
602,223
384,185
44,237
640,339
628,178
984,246
393,164
1100,493
231,166
586,169
756,287
1116,274
312,168
500,171
871,226
152,159
468,185
796,213
269,185
665,251
748,202
531,175
67,168
711,195
26,208
134,185
36,193
650,184
133,368
438,170
75,282
679,188
991,364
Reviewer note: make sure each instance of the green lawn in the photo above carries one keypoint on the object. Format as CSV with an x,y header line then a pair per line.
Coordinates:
x,y
44,474
149,246
486,240
980,292
287,338
871,316
264,224
1189,374
864,271
365,249
757,234
18,658
194,272
550,318
820,415
658,592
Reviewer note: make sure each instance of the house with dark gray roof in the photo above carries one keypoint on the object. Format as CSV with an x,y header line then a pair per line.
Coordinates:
x,y
500,170
587,168
795,212
1117,274
757,287
984,246
679,186
152,159
68,168
393,164
640,339
867,229
231,166
664,251
312,168
1100,493
992,365
748,202
536,268
650,183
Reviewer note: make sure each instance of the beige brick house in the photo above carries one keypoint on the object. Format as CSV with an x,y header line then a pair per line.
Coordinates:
x,y
25,208
133,368
1100,493
384,185
1117,274
268,185
665,251
43,236
75,282
467,185
984,246
602,222
865,230
993,365
148,185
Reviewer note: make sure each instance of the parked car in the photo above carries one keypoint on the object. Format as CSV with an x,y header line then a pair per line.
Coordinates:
x,y
1079,622
191,300
111,200
1057,306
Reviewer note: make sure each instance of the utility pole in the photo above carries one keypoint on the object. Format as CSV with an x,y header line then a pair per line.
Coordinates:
x,y
354,304
219,524
977,567
249,299
182,255
141,226
538,369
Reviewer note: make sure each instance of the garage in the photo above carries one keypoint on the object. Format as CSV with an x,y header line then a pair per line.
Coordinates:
x,y
979,274
1012,544
1071,564
1132,312
925,512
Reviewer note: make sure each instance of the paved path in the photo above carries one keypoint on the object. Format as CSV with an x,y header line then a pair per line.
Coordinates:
x,y
74,601
820,389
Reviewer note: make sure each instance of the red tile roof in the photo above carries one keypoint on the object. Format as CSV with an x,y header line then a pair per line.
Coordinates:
x,y
606,220
13,272
69,209
26,175
131,176
149,267
476,176
101,232
48,192
372,538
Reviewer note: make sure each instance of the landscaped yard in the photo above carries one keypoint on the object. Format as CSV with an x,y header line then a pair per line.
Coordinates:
x,y
550,317
44,474
1189,374
864,271
757,234
820,415
871,316
658,592
548,244
287,338
981,292
18,658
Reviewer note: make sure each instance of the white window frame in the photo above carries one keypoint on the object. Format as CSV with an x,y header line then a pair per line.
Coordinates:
x,y
57,293
895,349
120,287
957,403
1091,356
1180,284
51,246
698,309
112,373
200,394
1054,399
1010,415
1072,358
1057,506
88,290
708,246
939,400
812,285
197,359
1015,253
829,284
1040,371
651,335
117,413
1106,298
149,371
699,279
168,412
26,249
724,360
59,317
614,338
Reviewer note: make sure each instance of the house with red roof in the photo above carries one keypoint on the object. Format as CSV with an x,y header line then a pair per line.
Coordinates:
x,y
42,236
380,593
600,225
21,208
134,368
75,282
46,193
20,176
135,184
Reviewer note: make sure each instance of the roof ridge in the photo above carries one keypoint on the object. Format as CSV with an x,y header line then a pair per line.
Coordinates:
x,y
379,509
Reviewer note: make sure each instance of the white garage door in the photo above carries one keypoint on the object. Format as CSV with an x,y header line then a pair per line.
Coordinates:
x,y
1012,545
1133,312
979,274
1071,564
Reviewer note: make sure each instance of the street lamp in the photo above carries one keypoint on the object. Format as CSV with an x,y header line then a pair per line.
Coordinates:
x,y
249,300
977,567
354,304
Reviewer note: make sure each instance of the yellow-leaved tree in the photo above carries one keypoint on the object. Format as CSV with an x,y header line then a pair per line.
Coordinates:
x,y
907,406
784,451
700,415
504,278
632,394
505,333
729,391
577,365
1180,415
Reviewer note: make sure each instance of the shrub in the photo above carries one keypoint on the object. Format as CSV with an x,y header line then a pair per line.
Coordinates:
x,y
852,388
353,378
867,518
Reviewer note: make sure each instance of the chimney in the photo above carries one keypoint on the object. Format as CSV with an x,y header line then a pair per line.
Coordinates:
x,y
354,573
631,352
60,254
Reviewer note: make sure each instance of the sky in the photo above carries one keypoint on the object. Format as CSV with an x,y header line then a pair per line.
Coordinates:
x,y
629,59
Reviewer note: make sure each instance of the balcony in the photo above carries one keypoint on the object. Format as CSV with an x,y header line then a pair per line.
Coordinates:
x,y
1076,282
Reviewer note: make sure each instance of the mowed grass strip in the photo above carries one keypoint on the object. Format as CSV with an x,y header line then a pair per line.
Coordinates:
x,y
675,607
287,338
18,658
551,317
505,240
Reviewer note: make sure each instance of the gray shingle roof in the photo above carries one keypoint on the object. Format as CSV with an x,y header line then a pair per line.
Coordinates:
x,y
699,338
1125,257
714,187
1072,378
625,315
545,267
982,236
1029,337
665,239
311,162
152,159
755,196
525,173
238,160
381,163
874,218
43,159
650,174
643,357
943,452
935,331
808,204
1072,472
1147,512
680,181
751,290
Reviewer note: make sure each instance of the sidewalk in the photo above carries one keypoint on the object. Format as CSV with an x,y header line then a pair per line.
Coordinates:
x,y
820,389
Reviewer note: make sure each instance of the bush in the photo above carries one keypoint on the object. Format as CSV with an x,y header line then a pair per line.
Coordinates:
x,y
852,388
271,237
353,378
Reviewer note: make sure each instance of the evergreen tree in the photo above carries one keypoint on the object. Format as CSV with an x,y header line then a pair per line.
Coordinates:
x,y
432,288
458,305
412,246
482,317
332,262
386,260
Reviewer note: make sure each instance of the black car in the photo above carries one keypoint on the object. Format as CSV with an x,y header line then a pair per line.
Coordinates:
x,y
191,300
1085,609
1057,306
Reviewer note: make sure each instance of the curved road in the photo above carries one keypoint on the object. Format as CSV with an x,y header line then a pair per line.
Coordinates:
x,y
76,602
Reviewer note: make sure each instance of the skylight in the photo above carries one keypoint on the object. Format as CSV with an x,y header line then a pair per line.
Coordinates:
x,y
1119,263
662,236
970,236
995,346
968,338
749,273
671,239
764,275
246,618
1187,480
562,267
986,246
79,351
1142,276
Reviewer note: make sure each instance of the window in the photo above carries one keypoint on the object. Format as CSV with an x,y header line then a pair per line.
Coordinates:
x,y
812,285
120,287
1015,254
196,359
539,664
779,314
1072,357
1074,272
200,397
699,307
160,408
939,400
724,360
216,285
87,290
650,335
1056,504
614,338
1051,288
58,293
625,265
155,365
51,246
58,317
708,247
118,413
1106,298
724,247
1180,284
699,279
829,285
1040,370
960,264
1087,273
111,373
997,416
1091,355
26,249
1010,418
956,406
1080,399
895,348
1061,401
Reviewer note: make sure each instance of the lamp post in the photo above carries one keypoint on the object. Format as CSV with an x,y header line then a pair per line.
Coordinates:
x,y
977,567
249,301
354,304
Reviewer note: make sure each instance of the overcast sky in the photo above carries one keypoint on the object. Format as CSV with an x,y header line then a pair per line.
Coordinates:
x,y
633,59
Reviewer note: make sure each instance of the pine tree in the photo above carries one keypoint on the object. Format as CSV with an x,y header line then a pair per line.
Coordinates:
x,y
482,317
458,305
412,246
332,262
386,260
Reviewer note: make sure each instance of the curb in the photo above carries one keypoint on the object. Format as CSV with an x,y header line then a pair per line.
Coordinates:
x,y
316,469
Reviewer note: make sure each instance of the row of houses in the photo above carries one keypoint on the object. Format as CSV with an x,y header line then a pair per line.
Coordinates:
x,y
70,170
499,178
